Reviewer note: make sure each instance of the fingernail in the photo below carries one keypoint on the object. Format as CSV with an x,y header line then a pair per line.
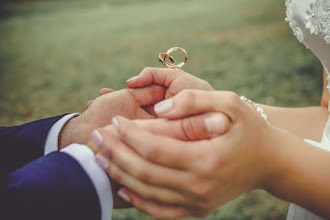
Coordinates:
x,y
102,161
132,79
115,123
124,196
164,106
97,137
215,124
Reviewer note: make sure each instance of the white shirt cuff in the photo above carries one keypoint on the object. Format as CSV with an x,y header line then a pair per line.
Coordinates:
x,y
99,178
51,143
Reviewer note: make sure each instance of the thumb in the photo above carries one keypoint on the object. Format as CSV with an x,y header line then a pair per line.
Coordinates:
x,y
193,128
148,95
159,76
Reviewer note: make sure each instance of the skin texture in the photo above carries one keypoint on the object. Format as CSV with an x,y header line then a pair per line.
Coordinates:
x,y
99,113
174,80
180,150
189,170
171,178
182,129
177,178
305,122
101,92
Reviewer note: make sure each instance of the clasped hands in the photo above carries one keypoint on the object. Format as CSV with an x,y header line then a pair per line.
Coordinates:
x,y
205,148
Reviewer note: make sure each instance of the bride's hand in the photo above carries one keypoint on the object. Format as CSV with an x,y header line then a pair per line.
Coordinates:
x,y
174,80
170,178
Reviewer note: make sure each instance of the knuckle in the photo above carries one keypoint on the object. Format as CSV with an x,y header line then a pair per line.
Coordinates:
x,y
147,70
202,190
189,95
233,98
189,99
203,85
178,71
151,151
206,167
189,129
114,173
141,174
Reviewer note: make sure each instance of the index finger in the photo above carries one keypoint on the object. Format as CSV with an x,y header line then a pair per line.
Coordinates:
x,y
161,150
147,96
160,76
192,128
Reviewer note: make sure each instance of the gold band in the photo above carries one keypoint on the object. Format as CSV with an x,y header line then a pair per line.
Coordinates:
x,y
162,57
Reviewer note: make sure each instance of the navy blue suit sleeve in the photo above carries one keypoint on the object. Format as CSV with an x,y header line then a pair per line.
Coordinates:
x,y
23,144
51,187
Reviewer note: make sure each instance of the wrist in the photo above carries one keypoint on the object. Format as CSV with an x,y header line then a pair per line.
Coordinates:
x,y
271,159
279,167
68,133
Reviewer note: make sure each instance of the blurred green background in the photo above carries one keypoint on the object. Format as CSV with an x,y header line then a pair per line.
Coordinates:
x,y
56,55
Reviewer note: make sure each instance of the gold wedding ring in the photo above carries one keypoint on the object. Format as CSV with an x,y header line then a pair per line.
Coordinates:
x,y
162,57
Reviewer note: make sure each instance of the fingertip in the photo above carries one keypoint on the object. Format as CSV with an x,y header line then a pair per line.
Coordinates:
x,y
102,161
115,123
119,122
105,91
130,82
97,137
89,103
164,107
124,195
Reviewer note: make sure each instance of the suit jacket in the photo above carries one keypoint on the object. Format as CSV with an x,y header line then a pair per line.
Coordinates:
x,y
33,186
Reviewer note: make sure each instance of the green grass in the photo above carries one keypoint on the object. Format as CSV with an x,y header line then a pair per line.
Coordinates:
x,y
56,55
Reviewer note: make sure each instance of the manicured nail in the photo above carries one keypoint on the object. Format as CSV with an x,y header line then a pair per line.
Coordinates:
x,y
115,123
215,124
100,160
132,79
97,137
124,196
164,106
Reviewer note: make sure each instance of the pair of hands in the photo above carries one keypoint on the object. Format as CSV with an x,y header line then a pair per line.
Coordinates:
x,y
208,148
134,103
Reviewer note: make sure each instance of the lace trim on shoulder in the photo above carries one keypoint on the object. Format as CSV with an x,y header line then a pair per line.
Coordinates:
x,y
292,23
318,19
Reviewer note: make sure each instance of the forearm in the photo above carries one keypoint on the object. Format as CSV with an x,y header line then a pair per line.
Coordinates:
x,y
53,182
302,174
306,123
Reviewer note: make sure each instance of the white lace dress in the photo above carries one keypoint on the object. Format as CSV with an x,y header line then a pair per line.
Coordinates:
x,y
310,22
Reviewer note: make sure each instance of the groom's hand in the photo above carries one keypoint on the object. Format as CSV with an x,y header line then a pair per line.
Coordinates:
x,y
128,103
99,112
174,80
